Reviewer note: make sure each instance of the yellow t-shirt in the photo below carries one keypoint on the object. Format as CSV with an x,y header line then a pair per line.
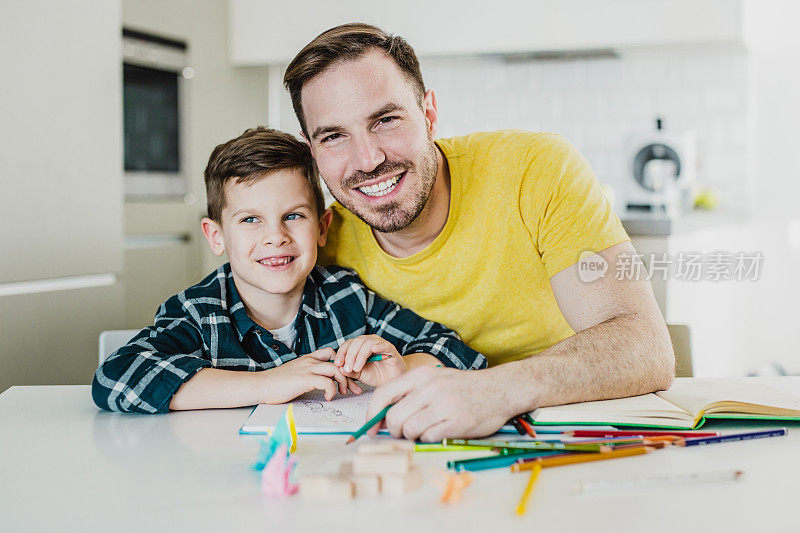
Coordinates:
x,y
523,206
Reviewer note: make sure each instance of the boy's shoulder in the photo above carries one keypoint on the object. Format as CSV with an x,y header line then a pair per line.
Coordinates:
x,y
333,278
209,296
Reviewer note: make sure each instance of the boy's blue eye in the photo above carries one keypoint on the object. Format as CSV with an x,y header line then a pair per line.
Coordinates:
x,y
248,220
293,216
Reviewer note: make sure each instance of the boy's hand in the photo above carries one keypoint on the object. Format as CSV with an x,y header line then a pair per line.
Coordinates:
x,y
306,373
351,359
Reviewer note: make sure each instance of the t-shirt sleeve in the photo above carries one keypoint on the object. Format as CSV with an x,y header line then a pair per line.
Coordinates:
x,y
563,206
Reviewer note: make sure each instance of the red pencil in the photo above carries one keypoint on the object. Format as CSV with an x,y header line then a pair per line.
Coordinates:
x,y
626,433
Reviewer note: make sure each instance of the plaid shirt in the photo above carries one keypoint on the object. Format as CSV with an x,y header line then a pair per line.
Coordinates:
x,y
207,326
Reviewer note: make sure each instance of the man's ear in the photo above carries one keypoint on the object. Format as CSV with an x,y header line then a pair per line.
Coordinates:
x,y
213,234
431,112
324,225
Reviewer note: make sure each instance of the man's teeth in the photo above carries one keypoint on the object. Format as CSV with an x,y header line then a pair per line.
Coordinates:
x,y
382,188
276,261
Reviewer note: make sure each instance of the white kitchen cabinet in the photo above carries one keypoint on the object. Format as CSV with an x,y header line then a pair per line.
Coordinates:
x,y
271,32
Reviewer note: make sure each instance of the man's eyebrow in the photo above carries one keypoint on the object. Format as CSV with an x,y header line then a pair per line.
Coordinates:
x,y
322,130
387,108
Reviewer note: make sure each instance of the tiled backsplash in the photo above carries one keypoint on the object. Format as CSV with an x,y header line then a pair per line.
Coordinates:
x,y
599,103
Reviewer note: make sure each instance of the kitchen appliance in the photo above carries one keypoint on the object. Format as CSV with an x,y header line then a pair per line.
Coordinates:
x,y
662,169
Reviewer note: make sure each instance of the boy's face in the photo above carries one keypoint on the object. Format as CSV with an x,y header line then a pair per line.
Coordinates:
x,y
270,231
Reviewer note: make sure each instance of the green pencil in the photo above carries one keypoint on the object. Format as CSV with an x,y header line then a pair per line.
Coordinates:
x,y
373,358
371,422
528,445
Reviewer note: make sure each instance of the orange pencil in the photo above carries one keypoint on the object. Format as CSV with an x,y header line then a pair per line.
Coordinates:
x,y
579,458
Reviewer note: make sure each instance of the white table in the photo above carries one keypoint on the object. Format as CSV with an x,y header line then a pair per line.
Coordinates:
x,y
67,466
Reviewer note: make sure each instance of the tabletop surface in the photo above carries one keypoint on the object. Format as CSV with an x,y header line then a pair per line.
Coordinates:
x,y
67,466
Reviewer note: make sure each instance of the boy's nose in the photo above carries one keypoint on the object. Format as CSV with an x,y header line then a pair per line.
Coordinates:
x,y
276,237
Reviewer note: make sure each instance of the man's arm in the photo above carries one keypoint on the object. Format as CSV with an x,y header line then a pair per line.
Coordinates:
x,y
621,348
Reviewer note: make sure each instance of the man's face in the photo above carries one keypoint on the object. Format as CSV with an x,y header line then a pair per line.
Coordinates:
x,y
270,231
371,140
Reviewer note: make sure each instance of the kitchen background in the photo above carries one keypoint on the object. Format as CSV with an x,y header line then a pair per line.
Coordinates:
x,y
82,256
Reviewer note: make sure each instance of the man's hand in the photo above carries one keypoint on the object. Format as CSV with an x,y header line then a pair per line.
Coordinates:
x,y
306,373
351,359
431,404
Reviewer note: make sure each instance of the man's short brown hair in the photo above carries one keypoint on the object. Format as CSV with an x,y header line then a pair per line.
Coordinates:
x,y
348,42
253,155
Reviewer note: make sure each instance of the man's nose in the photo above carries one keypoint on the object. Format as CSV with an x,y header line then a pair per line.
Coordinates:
x,y
366,153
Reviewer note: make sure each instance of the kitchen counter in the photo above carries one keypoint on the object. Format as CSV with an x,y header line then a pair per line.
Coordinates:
x,y
659,224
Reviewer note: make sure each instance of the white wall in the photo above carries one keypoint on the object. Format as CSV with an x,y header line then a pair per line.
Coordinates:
x,y
223,100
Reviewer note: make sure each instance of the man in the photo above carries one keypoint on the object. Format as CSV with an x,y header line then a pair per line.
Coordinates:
x,y
483,233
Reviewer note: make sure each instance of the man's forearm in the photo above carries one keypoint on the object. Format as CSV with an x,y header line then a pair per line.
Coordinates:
x,y
623,356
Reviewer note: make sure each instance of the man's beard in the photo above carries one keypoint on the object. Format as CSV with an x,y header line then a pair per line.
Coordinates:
x,y
394,216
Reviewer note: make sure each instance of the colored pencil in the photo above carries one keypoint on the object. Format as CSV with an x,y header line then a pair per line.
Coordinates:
x,y
435,447
519,427
579,458
736,437
495,461
631,433
528,428
523,502
373,358
371,422
660,481
527,445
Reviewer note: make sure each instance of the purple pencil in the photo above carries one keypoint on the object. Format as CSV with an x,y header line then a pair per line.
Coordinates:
x,y
736,436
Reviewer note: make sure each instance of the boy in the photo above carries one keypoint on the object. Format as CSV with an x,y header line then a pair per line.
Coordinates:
x,y
269,304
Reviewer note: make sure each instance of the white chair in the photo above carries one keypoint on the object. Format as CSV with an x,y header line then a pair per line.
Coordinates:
x,y
682,343
112,340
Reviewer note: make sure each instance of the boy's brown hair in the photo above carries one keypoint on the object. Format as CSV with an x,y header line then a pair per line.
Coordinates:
x,y
250,157
348,42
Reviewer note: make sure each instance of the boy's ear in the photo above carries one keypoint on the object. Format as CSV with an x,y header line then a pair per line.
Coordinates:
x,y
213,234
324,224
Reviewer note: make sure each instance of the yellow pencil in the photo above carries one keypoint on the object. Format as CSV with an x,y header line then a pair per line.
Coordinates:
x,y
568,459
521,507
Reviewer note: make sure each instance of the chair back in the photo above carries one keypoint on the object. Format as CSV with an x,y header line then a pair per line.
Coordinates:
x,y
112,340
682,343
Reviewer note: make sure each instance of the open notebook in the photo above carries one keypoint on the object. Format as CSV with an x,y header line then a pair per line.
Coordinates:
x,y
685,405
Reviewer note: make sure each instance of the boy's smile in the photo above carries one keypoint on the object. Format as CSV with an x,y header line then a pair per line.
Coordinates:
x,y
270,231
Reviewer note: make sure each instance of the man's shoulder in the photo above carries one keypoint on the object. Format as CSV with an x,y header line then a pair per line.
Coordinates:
x,y
501,144
345,236
209,296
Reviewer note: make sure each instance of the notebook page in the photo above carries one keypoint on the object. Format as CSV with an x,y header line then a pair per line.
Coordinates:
x,y
314,414
695,394
623,410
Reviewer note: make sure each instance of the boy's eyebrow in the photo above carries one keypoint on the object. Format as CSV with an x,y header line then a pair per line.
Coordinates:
x,y
386,108
255,210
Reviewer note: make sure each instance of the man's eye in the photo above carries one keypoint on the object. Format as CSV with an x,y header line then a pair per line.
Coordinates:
x,y
293,216
249,220
387,120
331,137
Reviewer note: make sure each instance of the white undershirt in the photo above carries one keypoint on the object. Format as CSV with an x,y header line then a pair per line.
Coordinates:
x,y
287,334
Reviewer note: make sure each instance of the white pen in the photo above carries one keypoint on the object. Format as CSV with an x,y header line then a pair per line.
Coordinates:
x,y
660,481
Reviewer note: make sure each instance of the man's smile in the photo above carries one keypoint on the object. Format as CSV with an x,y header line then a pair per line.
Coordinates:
x,y
382,188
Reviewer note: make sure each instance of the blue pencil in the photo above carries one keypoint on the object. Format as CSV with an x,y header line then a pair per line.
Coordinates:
x,y
737,436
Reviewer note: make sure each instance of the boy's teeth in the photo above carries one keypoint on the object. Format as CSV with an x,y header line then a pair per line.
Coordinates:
x,y
276,261
382,188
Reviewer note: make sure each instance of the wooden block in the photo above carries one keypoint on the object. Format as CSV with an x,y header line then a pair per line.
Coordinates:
x,y
399,484
381,463
346,469
326,488
366,486
377,446
315,487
